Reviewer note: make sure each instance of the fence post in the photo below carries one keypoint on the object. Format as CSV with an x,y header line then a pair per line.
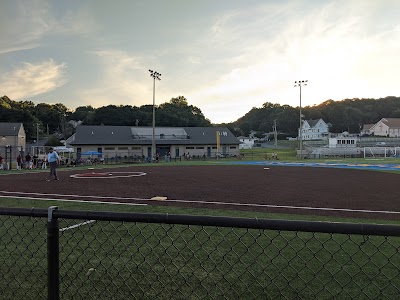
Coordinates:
x,y
53,270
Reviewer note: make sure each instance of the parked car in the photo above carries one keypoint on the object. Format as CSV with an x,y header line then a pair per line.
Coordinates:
x,y
380,144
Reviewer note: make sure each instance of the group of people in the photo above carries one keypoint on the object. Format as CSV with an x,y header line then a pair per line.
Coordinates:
x,y
52,159
31,162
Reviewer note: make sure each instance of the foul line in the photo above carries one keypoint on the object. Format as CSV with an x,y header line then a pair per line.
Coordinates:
x,y
77,201
108,175
76,225
196,201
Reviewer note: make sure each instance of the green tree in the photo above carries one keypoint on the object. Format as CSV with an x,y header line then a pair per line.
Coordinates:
x,y
177,112
83,114
53,141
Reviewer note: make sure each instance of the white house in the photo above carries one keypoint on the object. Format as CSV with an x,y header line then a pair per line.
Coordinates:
x,y
314,130
389,127
343,140
246,142
12,140
366,130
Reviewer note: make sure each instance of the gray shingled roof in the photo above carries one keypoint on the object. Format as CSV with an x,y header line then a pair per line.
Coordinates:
x,y
207,135
102,135
392,122
367,126
312,123
10,129
127,135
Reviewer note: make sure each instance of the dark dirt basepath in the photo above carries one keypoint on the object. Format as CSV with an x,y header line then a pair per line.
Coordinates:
x,y
252,186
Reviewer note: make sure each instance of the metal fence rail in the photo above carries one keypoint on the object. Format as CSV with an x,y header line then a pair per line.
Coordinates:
x,y
105,255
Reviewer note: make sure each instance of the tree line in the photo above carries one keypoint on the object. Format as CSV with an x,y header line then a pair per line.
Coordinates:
x,y
346,115
57,118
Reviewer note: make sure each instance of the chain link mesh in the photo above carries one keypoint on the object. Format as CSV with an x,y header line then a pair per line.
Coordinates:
x,y
123,260
127,260
23,258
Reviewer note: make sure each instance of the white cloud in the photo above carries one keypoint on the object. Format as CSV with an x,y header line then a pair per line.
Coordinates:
x,y
26,24
30,80
123,80
29,21
333,46
224,60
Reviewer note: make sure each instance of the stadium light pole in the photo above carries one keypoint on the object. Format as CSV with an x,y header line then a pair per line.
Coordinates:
x,y
155,75
37,139
299,84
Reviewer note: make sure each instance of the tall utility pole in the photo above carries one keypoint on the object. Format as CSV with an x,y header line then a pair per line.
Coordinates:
x,y
275,135
155,76
299,84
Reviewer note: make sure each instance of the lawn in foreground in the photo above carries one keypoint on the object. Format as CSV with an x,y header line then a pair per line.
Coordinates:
x,y
123,260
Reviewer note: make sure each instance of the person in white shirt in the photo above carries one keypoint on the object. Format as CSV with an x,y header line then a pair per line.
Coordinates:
x,y
54,160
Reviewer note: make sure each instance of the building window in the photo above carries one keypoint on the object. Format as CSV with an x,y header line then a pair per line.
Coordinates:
x,y
109,148
136,148
123,148
199,148
189,148
232,147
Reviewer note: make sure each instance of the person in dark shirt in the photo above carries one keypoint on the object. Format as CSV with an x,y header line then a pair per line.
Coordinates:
x,y
19,162
28,159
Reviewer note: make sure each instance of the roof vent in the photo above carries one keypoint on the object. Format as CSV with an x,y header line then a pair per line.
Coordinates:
x,y
92,132
112,132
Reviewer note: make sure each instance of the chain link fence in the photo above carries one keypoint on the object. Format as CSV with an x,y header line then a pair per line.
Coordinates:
x,y
23,267
104,255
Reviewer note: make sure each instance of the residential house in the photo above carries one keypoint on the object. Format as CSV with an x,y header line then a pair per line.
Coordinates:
x,y
12,140
388,127
246,142
137,141
314,130
366,130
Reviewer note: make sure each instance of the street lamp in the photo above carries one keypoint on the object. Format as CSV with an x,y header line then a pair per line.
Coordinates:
x,y
155,76
299,84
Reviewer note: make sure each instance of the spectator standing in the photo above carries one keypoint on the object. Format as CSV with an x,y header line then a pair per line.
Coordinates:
x,y
1,162
54,160
5,165
28,160
19,162
35,162
44,163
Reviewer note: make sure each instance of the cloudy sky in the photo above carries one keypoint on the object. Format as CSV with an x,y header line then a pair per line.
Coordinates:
x,y
224,56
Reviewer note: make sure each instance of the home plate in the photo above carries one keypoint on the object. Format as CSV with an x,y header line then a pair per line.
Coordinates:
x,y
266,168
159,198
